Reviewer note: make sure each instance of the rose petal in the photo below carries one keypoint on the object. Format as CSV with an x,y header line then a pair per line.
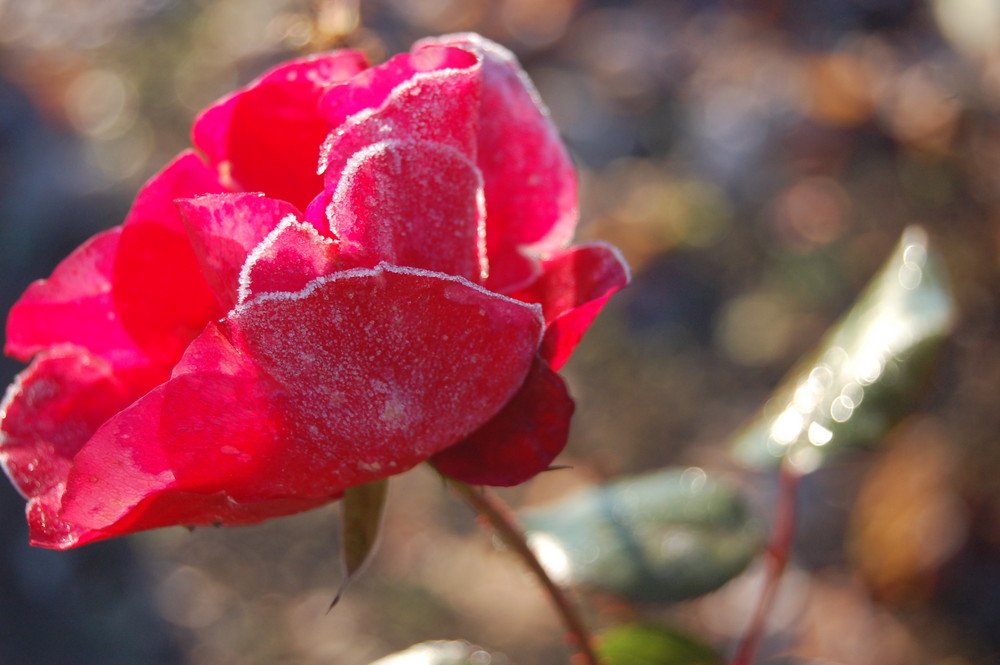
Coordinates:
x,y
530,183
266,137
572,289
224,229
428,95
360,376
520,441
124,479
385,367
74,306
290,257
48,413
415,204
50,410
158,288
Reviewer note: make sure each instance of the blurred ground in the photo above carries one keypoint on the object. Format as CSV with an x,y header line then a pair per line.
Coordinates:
x,y
755,161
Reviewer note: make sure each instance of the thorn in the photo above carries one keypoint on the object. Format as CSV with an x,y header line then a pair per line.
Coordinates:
x,y
558,467
340,592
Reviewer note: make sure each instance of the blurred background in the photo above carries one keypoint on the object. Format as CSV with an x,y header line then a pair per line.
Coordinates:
x,y
754,160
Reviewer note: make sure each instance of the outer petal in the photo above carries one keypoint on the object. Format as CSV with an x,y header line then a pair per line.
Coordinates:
x,y
224,229
74,306
134,473
266,137
520,441
355,378
531,187
415,204
158,288
386,366
49,412
428,95
572,290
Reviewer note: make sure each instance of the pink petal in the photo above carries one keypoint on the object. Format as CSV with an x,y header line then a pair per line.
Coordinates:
x,y
572,290
293,255
266,137
49,412
370,89
158,288
531,188
428,95
74,307
414,204
520,441
125,479
224,229
360,376
385,367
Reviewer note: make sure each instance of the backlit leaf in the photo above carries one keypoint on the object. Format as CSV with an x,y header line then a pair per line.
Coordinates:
x,y
866,372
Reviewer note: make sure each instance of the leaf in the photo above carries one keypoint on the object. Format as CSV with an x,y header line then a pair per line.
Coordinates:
x,y
652,644
661,537
440,653
866,372
362,508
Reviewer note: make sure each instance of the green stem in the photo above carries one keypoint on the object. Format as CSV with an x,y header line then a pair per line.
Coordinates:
x,y
503,521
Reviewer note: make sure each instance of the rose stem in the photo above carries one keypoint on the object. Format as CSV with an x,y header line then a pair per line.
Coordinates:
x,y
503,521
779,549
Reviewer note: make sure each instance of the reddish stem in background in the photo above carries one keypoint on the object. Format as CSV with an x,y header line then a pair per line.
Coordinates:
x,y
505,524
779,549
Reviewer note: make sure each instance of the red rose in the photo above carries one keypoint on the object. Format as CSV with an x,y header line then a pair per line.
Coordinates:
x,y
260,334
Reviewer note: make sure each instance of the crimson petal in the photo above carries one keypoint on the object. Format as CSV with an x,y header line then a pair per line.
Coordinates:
x,y
520,441
224,229
266,137
530,183
428,95
158,288
572,289
49,412
415,204
74,306
362,375
290,257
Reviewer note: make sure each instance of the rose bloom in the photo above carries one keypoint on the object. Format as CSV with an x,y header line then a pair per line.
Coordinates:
x,y
356,270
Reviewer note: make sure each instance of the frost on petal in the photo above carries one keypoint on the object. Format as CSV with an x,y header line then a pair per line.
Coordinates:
x,y
520,441
266,137
290,257
49,412
383,368
369,89
224,229
158,288
74,306
200,449
531,187
572,289
431,94
414,204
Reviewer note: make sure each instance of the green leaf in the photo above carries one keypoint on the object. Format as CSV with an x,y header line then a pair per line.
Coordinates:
x,y
362,508
652,644
661,537
439,653
867,371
